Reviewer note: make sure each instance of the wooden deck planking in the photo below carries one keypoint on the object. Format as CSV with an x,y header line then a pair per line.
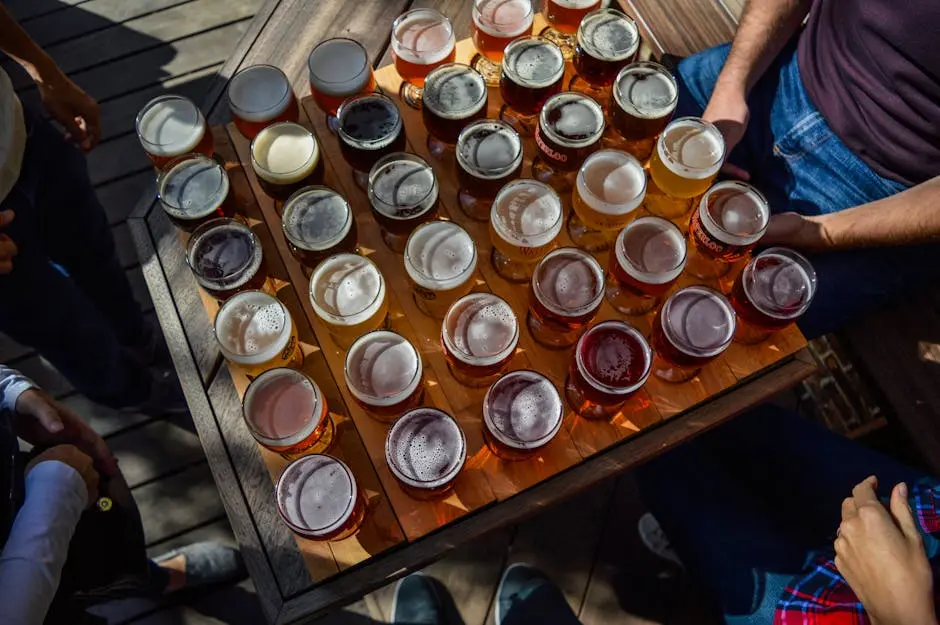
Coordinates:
x,y
156,449
26,10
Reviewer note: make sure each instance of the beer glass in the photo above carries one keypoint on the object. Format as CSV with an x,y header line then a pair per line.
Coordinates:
x,y
570,128
318,222
259,96
440,258
226,257
609,188
495,24
522,413
564,17
193,189
687,157
479,335
287,413
566,292
646,260
171,125
694,326
422,39
286,157
644,97
425,451
256,333
369,127
318,498
489,154
533,70
774,290
339,68
348,294
608,41
454,96
525,221
730,220
611,361
384,374
403,193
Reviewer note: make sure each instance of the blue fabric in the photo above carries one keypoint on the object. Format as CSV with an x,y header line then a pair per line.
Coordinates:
x,y
800,165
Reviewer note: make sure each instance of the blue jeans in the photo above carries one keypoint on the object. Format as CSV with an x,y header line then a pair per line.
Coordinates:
x,y
67,295
796,160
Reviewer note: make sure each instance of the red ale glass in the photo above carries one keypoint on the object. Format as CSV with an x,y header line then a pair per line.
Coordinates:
x,y
567,290
425,451
422,39
454,96
608,41
489,155
318,498
259,96
533,71
384,374
522,413
646,260
169,126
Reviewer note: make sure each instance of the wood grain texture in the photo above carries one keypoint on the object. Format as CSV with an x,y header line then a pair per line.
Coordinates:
x,y
681,27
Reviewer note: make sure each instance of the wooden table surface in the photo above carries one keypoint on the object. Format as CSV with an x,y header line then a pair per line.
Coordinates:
x,y
296,579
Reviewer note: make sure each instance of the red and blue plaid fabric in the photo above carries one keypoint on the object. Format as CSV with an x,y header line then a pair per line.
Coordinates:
x,y
822,596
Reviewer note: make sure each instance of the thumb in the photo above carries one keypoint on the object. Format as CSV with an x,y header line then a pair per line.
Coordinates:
x,y
901,511
48,416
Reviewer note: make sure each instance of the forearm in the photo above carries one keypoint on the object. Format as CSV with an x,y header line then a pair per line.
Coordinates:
x,y
12,385
16,43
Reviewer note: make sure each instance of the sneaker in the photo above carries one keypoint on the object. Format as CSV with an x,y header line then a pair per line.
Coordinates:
x,y
418,601
529,594
655,539
166,397
205,564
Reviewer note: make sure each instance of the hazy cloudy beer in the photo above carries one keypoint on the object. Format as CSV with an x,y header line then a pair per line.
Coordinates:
x,y
525,220
533,71
318,222
687,157
339,68
226,257
384,373
193,189
454,96
425,451
169,126
440,258
259,96
569,129
318,498
566,292
522,413
422,39
479,335
495,24
608,40
646,260
489,154
610,187
403,192
369,127
347,292
255,331
286,157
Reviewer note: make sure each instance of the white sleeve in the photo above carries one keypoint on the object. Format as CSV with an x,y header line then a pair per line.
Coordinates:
x,y
32,559
12,385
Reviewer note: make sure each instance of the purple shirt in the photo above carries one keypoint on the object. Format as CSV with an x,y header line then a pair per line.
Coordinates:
x,y
872,68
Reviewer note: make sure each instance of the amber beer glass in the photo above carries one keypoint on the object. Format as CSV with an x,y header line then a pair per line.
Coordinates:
x,y
347,292
318,498
611,361
566,292
286,157
255,332
225,257
422,39
495,24
440,258
489,155
694,326
533,71
454,96
644,97
403,193
287,413
169,126
318,222
730,220
609,188
608,41
479,336
194,189
384,373
425,450
570,128
564,17
646,260
774,290
259,96
687,157
369,127
339,68
522,413
525,222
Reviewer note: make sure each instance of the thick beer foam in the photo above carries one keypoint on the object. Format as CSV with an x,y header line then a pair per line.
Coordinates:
x,y
691,148
223,250
454,91
425,448
612,182
283,407
527,213
734,213
383,368
317,494
440,256
489,149
316,219
504,19
533,63
259,93
480,329
421,38
698,321
193,188
347,289
523,410
569,282
400,188
652,250
780,287
572,119
574,4
285,153
338,67
252,327
609,35
170,126
645,92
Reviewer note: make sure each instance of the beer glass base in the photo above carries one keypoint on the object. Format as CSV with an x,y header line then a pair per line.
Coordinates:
x,y
411,95
439,149
704,268
487,68
667,207
427,494
586,238
560,181
507,453
627,303
548,336
431,311
564,41
580,85
474,208
522,124
640,149
395,242
672,373
473,381
585,408
747,334
511,270
361,178
321,446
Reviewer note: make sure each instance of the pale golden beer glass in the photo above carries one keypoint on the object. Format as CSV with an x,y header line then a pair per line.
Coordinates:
x,y
255,331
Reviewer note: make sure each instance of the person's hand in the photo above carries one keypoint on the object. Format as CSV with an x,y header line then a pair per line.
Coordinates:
x,y
7,247
72,456
881,555
728,110
41,420
797,231
73,108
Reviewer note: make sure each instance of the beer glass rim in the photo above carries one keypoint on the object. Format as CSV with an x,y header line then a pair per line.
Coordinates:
x,y
414,481
337,317
747,278
440,19
291,203
619,14
265,354
514,441
372,144
412,267
171,165
719,231
212,224
528,17
343,518
670,161
384,400
589,260
492,172
600,204
545,126
624,259
652,65
391,158
320,407
321,82
271,111
310,164
462,355
601,386
498,223
723,302
516,78
463,113
197,117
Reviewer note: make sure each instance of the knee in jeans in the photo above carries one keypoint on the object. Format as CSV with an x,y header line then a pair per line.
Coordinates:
x,y
697,76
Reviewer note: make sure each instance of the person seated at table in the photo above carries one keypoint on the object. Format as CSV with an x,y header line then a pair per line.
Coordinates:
x,y
60,484
62,289
838,123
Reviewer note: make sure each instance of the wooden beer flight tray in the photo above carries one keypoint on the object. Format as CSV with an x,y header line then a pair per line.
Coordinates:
x,y
400,533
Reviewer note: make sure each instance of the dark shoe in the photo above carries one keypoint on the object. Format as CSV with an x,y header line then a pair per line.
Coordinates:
x,y
422,600
654,538
153,352
166,397
208,564
526,595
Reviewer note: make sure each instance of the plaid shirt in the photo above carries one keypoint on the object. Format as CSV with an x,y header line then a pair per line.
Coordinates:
x,y
822,596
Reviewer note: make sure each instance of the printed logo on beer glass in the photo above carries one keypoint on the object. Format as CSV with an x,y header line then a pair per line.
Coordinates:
x,y
440,258
318,498
525,221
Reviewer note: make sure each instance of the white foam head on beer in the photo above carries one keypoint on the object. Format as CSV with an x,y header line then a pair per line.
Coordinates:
x,y
735,213
533,62
652,250
692,148
440,255
612,182
316,218
646,90
454,91
317,494
480,329
780,283
338,67
575,4
489,149
568,116
401,182
422,37
698,321
505,19
426,448
523,410
193,188
609,35
170,126
383,368
527,213
259,93
252,327
347,289
285,153
569,282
